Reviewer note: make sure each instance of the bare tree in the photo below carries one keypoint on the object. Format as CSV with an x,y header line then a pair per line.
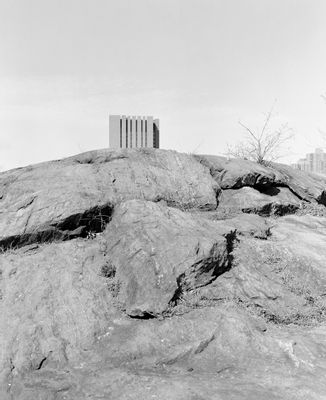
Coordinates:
x,y
262,145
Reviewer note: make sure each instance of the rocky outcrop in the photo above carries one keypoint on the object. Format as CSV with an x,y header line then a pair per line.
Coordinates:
x,y
283,279
276,201
238,173
148,274
160,252
35,205
309,187
51,200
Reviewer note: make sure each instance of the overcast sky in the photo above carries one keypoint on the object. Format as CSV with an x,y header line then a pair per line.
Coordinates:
x,y
198,65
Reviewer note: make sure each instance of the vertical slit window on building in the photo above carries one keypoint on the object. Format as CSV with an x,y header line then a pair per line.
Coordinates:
x,y
126,132
120,132
146,133
142,140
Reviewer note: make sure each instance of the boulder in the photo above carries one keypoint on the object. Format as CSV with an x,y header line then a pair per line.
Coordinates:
x,y
158,252
235,173
278,201
51,200
307,186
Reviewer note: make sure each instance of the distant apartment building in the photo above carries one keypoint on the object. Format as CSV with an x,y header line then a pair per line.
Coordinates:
x,y
314,162
133,132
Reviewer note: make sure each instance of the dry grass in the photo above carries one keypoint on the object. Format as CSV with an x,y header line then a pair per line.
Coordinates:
x,y
300,301
297,278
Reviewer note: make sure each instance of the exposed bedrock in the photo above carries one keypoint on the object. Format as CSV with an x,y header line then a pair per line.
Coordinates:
x,y
74,197
159,252
84,224
53,303
275,201
56,298
41,199
212,353
237,173
237,316
283,280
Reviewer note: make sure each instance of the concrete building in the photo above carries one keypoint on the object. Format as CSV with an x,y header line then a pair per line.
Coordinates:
x,y
314,162
134,132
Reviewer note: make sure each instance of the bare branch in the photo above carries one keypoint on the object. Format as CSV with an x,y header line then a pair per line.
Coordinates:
x,y
267,120
248,130
262,147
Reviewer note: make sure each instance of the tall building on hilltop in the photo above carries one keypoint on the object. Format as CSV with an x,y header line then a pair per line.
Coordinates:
x,y
134,132
314,162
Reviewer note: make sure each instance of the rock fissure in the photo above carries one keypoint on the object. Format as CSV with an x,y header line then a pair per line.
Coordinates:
x,y
83,225
204,344
269,209
189,280
41,364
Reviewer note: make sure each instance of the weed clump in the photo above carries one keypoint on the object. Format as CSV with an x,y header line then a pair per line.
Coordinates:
x,y
316,210
108,270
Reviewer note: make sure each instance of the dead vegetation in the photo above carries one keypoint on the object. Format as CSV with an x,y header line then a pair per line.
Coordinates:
x,y
301,288
301,298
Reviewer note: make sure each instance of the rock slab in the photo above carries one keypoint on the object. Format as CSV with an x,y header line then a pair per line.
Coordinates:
x,y
159,252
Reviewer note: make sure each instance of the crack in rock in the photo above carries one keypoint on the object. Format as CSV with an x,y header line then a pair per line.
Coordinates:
x,y
184,281
83,225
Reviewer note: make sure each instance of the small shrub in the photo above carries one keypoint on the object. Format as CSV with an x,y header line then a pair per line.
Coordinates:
x,y
114,287
108,270
316,210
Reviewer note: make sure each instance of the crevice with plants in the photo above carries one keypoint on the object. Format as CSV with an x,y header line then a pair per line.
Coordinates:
x,y
83,225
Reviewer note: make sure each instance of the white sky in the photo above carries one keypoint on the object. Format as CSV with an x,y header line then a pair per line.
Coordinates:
x,y
198,65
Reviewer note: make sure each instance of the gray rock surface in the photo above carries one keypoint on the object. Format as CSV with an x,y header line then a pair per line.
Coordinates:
x,y
305,185
158,252
250,225
119,279
237,173
53,199
278,201
54,302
